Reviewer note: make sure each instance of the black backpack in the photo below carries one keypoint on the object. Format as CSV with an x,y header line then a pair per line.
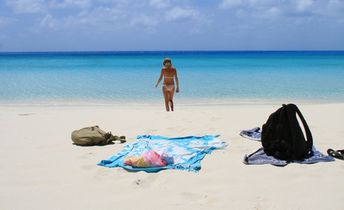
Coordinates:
x,y
282,136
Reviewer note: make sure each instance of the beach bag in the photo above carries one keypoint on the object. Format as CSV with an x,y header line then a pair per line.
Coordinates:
x,y
282,136
94,136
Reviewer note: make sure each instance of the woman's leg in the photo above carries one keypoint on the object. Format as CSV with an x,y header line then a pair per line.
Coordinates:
x,y
165,92
171,93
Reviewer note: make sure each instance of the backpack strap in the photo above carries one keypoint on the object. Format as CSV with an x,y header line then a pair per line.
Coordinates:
x,y
305,125
309,137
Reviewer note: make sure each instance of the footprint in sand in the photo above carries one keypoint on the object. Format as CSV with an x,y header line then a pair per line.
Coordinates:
x,y
25,114
260,203
146,182
151,131
138,181
86,155
215,118
88,167
193,196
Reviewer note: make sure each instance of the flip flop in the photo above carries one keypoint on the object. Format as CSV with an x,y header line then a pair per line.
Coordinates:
x,y
341,154
336,153
341,151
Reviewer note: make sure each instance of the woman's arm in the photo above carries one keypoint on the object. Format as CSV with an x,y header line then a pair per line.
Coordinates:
x,y
160,78
177,81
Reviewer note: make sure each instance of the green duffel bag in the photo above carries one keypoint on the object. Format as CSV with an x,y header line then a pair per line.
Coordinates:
x,y
94,136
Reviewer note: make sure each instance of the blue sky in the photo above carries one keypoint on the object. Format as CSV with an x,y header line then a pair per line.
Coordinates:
x,y
64,25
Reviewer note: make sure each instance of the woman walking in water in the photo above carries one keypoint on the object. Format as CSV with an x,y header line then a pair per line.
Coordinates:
x,y
169,73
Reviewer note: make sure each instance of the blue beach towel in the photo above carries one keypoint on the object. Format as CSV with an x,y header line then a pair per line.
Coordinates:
x,y
187,152
259,157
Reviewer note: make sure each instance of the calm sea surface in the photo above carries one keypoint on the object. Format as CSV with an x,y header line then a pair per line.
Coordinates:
x,y
203,75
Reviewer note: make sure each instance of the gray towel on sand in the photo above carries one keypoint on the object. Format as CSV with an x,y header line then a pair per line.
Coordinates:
x,y
252,134
259,157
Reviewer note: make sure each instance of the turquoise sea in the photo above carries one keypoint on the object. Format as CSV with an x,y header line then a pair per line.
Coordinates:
x,y
204,76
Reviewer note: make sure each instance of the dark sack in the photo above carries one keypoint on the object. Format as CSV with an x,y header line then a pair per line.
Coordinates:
x,y
282,136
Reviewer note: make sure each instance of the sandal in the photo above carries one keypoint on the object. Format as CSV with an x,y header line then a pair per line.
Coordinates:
x,y
336,153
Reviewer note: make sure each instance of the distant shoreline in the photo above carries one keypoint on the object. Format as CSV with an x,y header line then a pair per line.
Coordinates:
x,y
159,102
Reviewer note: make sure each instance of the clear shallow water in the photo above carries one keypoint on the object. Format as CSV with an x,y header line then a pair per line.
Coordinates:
x,y
123,76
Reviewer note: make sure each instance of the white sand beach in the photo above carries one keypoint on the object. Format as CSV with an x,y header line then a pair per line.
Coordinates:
x,y
42,169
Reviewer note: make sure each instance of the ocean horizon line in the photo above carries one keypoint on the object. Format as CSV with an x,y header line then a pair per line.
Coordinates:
x,y
153,52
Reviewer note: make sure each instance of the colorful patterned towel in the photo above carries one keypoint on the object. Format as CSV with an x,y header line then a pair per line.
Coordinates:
x,y
186,152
